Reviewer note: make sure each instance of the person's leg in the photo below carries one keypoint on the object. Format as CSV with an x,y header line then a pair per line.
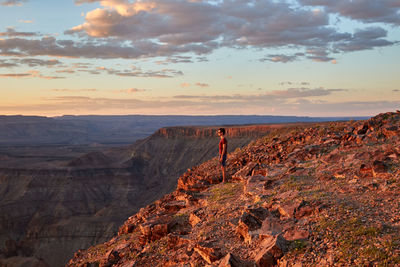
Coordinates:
x,y
223,169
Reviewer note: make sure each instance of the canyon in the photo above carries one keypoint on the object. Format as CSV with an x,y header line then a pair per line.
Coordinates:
x,y
54,208
323,194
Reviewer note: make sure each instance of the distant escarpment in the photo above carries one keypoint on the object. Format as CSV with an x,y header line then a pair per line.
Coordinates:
x,y
48,213
303,195
251,131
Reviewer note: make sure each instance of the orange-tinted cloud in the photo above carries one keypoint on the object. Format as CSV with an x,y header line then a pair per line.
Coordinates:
x,y
184,85
202,84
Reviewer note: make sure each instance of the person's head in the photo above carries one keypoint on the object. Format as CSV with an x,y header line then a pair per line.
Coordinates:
x,y
221,131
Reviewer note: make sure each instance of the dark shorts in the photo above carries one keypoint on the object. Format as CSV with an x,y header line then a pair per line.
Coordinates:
x,y
223,162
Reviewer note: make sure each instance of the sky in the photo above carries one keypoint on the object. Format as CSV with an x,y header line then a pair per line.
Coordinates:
x,y
316,58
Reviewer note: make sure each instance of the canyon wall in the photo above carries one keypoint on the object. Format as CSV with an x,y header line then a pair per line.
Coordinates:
x,y
47,214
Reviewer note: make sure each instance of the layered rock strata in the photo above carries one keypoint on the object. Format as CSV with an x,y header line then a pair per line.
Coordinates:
x,y
47,214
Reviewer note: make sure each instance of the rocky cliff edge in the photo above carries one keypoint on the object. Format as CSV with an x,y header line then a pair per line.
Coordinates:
x,y
323,195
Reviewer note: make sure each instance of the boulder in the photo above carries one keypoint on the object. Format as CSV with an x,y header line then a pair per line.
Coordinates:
x,y
270,227
379,167
194,219
174,206
250,221
289,209
245,171
271,250
154,229
296,234
175,241
208,252
230,260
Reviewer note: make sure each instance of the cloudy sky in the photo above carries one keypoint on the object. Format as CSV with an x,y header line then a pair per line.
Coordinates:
x,y
200,57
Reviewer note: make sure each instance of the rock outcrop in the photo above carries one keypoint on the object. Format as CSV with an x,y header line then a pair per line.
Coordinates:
x,y
323,195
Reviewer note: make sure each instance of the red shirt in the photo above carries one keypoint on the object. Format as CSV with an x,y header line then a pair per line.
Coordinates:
x,y
221,144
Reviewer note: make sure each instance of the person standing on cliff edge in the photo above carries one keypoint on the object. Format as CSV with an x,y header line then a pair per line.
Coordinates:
x,y
223,149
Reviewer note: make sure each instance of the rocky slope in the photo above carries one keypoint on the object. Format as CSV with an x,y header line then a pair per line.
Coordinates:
x,y
326,195
48,213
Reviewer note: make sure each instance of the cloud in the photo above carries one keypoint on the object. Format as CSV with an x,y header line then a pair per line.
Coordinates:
x,y
79,2
280,58
364,39
319,55
202,26
303,92
74,90
11,32
34,62
303,107
16,75
138,72
368,11
12,2
174,28
30,74
281,95
31,62
202,84
174,60
25,21
50,46
184,85
130,91
6,64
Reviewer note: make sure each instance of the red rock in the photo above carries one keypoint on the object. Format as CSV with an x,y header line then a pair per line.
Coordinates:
x,y
112,257
154,229
287,210
303,211
230,260
255,185
174,206
270,227
175,241
207,252
296,234
379,167
250,221
245,171
194,219
271,250
364,170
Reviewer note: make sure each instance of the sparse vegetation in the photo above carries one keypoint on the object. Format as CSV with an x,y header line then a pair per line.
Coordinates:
x,y
357,242
224,192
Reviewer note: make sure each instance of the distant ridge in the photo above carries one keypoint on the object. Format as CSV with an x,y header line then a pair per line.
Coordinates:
x,y
119,130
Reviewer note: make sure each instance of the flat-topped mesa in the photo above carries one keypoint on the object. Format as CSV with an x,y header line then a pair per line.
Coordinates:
x,y
205,132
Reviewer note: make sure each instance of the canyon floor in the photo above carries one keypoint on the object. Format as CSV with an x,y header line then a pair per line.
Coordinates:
x,y
320,195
